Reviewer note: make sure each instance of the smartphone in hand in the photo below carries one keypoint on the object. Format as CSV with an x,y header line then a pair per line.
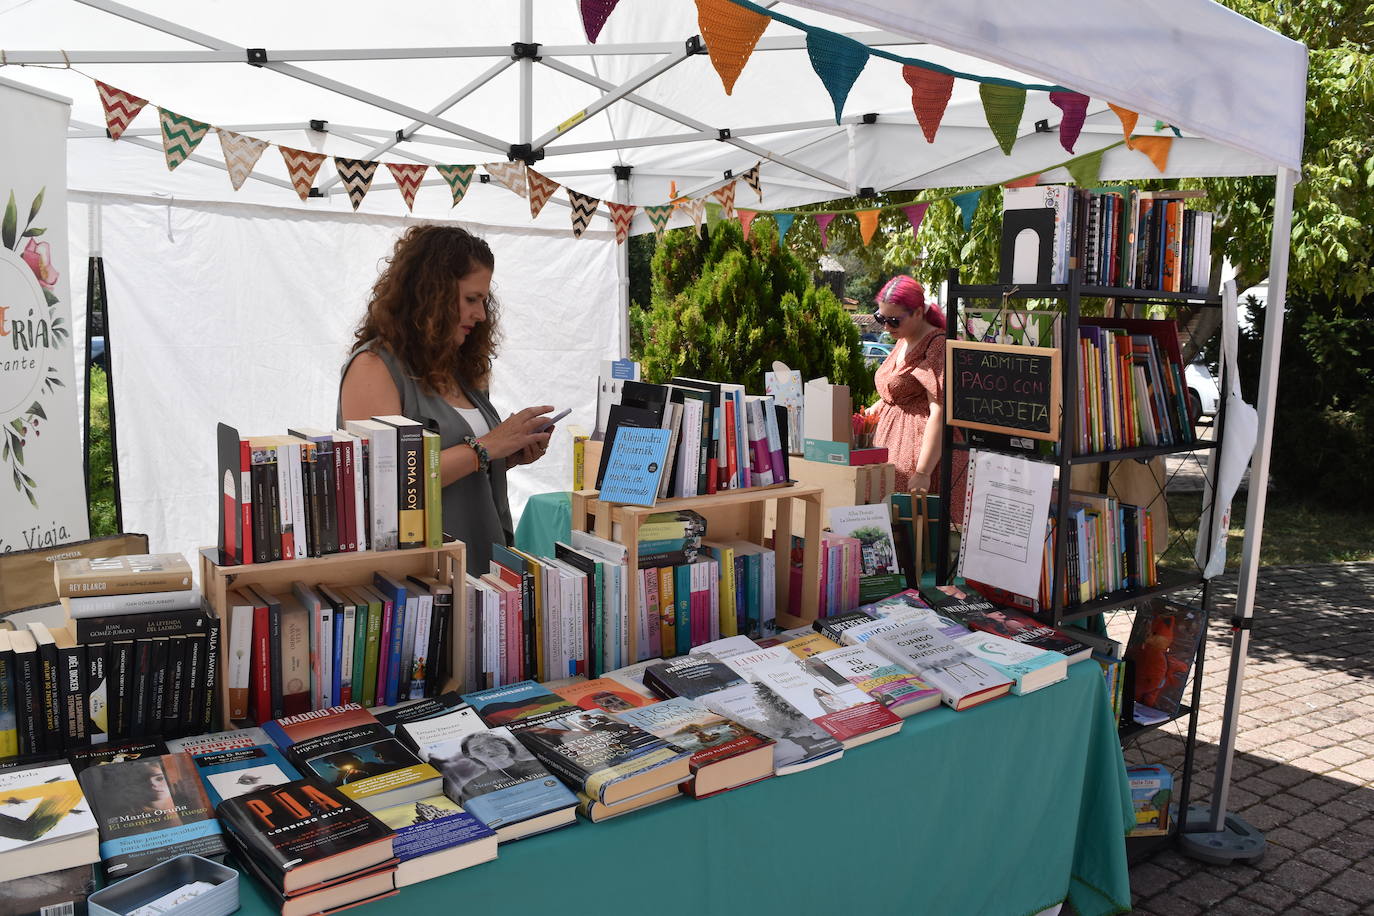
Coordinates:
x,y
549,423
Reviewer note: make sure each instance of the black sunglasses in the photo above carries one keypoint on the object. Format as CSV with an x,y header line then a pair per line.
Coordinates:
x,y
885,321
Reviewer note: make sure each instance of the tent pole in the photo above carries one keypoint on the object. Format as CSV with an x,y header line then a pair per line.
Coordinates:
x,y
1226,838
526,72
622,266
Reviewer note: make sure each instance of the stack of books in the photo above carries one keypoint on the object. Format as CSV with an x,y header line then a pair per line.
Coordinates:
x,y
131,584
1133,392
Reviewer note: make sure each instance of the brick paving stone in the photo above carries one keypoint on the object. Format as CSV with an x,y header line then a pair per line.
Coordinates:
x,y
1338,756
1353,885
1298,876
1167,904
1291,805
1148,879
1204,888
1324,858
1343,811
1320,791
1269,894
1315,824
1267,816
1239,906
1361,769
1322,902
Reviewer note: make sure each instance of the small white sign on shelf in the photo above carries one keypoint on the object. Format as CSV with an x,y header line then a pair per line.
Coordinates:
x,y
1009,506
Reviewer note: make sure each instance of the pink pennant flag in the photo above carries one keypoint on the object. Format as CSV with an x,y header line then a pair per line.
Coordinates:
x,y
621,217
594,16
914,214
1075,108
823,220
408,176
746,219
120,108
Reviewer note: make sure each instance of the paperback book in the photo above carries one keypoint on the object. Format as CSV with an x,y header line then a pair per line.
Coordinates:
x,y
230,773
725,754
903,693
46,823
846,713
799,743
434,836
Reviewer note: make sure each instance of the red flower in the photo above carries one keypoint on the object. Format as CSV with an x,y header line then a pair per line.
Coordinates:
x,y
38,255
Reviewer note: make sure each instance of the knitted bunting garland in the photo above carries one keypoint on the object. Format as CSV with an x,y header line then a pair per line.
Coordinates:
x,y
408,176
510,175
659,216
1085,169
967,203
751,178
746,219
823,220
868,224
356,175
730,33
838,60
120,108
302,166
1157,148
1128,119
459,177
930,92
541,189
1026,181
621,217
726,195
784,221
180,136
1075,108
240,155
914,214
1003,105
583,209
594,16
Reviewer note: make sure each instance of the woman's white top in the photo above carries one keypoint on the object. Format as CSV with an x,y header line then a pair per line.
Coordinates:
x,y
474,418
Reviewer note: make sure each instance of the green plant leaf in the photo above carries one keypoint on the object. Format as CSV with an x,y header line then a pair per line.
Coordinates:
x,y
37,203
50,297
8,227
36,409
33,502
30,233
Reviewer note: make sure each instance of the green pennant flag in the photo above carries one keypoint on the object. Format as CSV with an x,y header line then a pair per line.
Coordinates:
x,y
967,203
714,213
1085,169
658,217
1003,105
459,177
180,136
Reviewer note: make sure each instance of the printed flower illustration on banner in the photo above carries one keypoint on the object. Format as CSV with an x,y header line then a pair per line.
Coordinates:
x,y
33,332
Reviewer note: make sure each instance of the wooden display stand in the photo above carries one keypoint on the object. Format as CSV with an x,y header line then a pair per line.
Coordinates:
x,y
840,484
447,564
731,515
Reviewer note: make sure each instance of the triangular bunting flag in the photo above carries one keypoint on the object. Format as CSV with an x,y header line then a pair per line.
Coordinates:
x,y
967,203
746,219
120,108
714,214
1026,181
408,176
696,209
659,216
180,136
838,60
356,175
1003,105
823,220
751,178
726,195
1128,119
541,188
1157,148
1085,169
594,15
621,217
730,33
583,209
459,177
1075,108
914,214
784,221
930,92
302,166
509,175
240,155
868,224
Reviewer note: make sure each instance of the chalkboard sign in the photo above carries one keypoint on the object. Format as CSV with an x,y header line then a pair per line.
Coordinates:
x,y
1002,388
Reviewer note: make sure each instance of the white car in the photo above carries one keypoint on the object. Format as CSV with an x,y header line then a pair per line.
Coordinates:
x,y
1203,396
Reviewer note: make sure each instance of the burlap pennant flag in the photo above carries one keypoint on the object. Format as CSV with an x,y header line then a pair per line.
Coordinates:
x,y
594,16
930,92
914,214
459,178
509,175
356,175
180,136
1026,181
967,203
1003,106
696,209
302,166
868,224
726,195
1085,169
1157,148
730,33
659,216
120,108
1128,119
823,221
1075,108
541,188
838,60
751,178
240,154
784,221
408,176
746,219
583,209
621,217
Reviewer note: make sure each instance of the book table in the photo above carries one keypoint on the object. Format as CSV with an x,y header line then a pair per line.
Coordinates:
x,y
1004,810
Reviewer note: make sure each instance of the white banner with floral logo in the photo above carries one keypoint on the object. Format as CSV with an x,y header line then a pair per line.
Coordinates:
x,y
42,490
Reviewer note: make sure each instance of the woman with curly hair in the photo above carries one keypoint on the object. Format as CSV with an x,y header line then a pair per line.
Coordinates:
x,y
424,350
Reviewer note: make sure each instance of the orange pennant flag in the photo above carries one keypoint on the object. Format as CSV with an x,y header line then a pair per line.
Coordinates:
x,y
730,33
868,224
1157,148
1128,119
746,219
1026,182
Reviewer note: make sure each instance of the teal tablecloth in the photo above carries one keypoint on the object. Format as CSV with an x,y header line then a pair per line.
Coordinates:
x,y
1005,810
546,518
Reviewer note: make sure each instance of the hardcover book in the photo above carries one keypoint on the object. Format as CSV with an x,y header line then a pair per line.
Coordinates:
x,y
725,754
962,679
799,743
689,677
1028,667
434,837
116,752
902,692
848,714
1020,627
231,773
513,702
126,575
602,693
367,764
219,741
46,823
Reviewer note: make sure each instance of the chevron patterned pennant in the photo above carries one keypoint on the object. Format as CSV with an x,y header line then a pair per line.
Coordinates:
x,y
408,176
726,195
621,216
696,209
583,209
302,166
509,175
459,177
751,178
180,136
120,108
356,175
541,189
658,217
240,155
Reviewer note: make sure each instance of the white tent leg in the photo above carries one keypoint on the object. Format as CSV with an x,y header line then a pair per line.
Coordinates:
x,y
526,72
622,269
1226,838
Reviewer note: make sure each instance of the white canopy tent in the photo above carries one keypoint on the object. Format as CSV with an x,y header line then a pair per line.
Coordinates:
x,y
436,82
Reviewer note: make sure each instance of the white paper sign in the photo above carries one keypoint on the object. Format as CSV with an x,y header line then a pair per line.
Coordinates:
x,y
42,490
1009,508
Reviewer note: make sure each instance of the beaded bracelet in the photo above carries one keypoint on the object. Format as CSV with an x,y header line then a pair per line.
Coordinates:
x,y
483,458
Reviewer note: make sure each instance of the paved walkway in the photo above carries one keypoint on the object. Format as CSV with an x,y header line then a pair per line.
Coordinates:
x,y
1304,770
